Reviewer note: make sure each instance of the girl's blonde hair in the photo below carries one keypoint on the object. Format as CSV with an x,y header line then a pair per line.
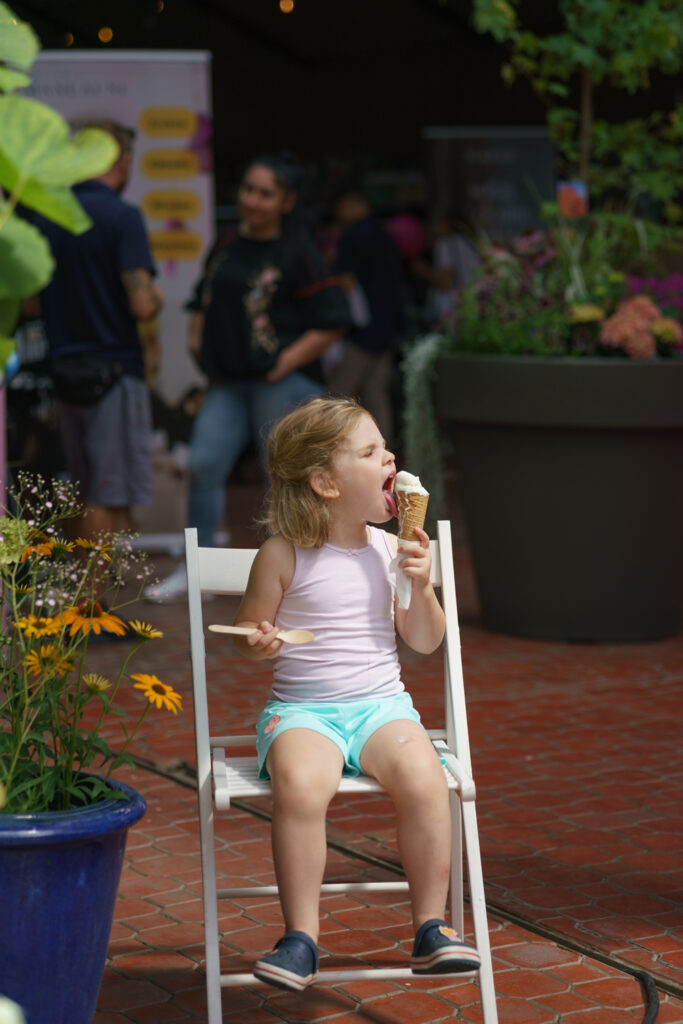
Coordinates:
x,y
300,444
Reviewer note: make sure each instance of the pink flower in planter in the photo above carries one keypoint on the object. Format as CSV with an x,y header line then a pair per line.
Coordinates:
x,y
630,327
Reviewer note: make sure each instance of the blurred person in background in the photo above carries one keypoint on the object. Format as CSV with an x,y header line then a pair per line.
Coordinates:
x,y
103,285
262,315
454,264
368,264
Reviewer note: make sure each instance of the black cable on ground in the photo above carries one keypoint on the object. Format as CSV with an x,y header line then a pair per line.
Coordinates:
x,y
185,776
651,993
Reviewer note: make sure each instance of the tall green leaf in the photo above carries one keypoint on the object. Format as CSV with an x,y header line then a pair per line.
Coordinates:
x,y
26,263
35,144
18,42
11,80
57,204
9,314
7,347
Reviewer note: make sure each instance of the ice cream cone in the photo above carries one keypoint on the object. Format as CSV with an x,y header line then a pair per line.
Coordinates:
x,y
412,509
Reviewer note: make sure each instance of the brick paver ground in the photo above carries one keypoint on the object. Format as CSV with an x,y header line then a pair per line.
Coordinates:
x,y
575,751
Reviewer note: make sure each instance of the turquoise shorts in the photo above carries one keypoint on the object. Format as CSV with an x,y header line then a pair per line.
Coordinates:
x,y
349,723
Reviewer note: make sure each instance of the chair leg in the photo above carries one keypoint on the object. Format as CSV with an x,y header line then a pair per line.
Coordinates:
x,y
478,903
210,901
456,887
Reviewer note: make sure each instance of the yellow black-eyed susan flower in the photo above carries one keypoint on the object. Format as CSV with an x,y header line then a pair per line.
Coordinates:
x,y
144,630
158,693
87,617
49,660
95,683
94,545
39,625
62,547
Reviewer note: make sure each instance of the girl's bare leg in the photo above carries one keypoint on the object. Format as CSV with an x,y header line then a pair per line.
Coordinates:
x,y
400,755
305,768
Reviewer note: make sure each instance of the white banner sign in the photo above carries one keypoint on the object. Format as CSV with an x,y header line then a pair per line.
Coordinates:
x,y
165,97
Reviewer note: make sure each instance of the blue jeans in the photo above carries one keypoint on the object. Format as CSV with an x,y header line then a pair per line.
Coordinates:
x,y
231,415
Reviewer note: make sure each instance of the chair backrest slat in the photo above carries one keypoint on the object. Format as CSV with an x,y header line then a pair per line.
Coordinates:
x,y
226,570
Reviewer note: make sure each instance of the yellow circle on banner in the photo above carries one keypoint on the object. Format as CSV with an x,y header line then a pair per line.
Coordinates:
x,y
175,245
180,204
169,163
168,122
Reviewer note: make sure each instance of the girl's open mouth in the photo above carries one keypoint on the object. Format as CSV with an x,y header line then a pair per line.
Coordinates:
x,y
388,494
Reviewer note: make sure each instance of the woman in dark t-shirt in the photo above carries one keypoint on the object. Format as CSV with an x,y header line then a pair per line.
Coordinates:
x,y
262,315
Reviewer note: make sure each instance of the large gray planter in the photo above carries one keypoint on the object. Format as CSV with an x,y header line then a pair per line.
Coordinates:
x,y
572,487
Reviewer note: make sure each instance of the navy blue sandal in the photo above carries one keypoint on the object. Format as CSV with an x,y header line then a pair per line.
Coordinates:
x,y
439,949
293,964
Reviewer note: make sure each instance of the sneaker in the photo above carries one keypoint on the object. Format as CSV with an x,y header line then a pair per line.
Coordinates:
x,y
293,964
438,949
172,587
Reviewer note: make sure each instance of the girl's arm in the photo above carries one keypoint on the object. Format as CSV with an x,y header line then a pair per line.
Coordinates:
x,y
423,624
308,347
270,576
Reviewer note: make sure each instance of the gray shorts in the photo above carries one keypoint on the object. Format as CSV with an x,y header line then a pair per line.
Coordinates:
x,y
108,446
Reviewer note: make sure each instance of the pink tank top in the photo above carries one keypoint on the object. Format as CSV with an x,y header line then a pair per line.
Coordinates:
x,y
346,596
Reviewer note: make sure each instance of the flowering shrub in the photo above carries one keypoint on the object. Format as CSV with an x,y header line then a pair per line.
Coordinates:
x,y
53,703
556,293
639,329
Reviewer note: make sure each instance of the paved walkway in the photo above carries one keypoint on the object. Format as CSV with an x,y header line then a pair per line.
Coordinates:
x,y
576,754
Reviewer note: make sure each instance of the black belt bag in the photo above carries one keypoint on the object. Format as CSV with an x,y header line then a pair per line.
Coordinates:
x,y
84,377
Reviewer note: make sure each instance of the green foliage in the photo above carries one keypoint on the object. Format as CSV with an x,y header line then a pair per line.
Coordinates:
x,y
618,43
18,48
26,265
38,164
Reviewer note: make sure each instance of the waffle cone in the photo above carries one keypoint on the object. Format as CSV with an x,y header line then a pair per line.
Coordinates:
x,y
412,509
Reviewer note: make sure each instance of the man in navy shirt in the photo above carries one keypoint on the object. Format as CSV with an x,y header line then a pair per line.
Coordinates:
x,y
102,285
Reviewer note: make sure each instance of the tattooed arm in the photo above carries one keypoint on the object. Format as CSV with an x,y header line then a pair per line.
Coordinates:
x,y
194,340
145,298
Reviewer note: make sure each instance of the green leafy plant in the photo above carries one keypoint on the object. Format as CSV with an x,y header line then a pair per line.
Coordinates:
x,y
616,44
56,711
39,161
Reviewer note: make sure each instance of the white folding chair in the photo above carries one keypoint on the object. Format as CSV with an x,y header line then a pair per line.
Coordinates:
x,y
222,777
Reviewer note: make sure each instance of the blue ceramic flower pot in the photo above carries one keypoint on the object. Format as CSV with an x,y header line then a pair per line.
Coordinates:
x,y
59,876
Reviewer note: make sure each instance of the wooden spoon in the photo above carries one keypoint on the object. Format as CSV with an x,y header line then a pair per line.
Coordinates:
x,y
290,636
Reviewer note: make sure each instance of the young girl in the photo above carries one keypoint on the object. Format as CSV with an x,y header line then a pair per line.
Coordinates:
x,y
338,703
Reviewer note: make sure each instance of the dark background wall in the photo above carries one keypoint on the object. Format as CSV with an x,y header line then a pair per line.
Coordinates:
x,y
343,83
